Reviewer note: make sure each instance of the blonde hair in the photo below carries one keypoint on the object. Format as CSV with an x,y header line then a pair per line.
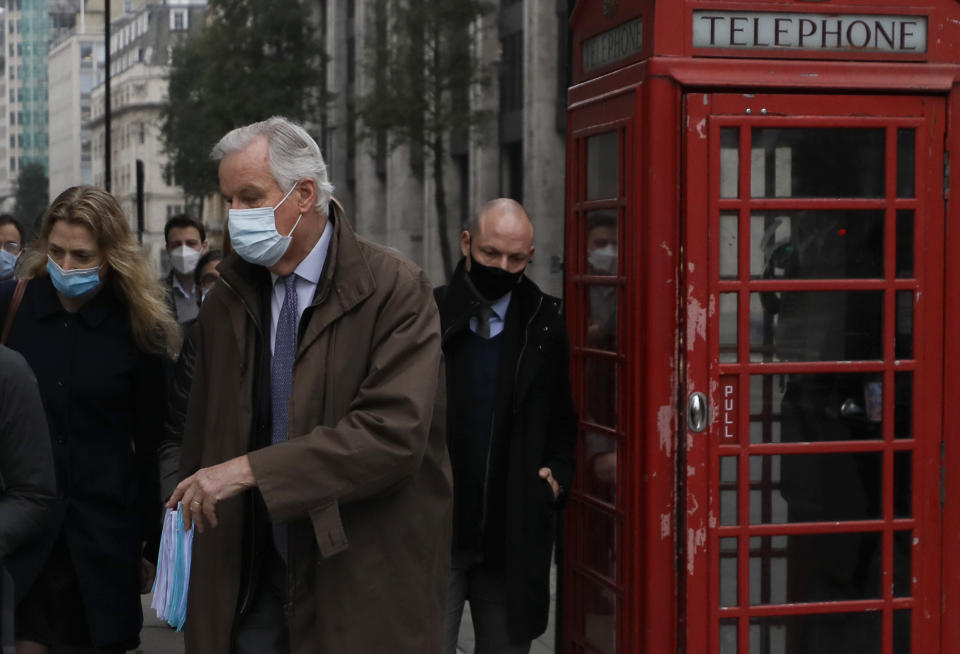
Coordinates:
x,y
154,329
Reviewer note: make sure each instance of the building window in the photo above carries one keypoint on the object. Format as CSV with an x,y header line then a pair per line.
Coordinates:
x,y
13,163
179,20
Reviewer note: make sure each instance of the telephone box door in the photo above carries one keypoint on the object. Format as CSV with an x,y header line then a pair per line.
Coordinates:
x,y
813,272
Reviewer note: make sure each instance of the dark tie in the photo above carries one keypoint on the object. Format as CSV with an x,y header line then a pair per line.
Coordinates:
x,y
281,379
484,314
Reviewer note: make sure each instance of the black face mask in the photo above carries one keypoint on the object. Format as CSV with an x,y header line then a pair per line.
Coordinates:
x,y
492,282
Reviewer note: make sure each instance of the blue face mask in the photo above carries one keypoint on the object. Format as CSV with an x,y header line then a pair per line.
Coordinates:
x,y
7,263
254,234
73,283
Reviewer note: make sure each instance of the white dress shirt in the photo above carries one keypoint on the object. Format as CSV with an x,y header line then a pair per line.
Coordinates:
x,y
308,276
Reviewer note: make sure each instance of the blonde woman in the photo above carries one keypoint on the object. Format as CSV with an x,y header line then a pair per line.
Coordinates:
x,y
94,326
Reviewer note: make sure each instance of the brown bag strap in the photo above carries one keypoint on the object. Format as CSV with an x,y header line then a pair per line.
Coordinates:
x,y
12,309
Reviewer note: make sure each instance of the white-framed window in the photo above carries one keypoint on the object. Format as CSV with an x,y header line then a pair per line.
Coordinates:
x,y
179,19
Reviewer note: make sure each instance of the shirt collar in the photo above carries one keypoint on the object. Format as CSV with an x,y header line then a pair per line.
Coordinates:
x,y
311,267
500,306
177,285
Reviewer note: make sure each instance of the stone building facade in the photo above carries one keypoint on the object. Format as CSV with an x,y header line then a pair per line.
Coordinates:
x,y
519,154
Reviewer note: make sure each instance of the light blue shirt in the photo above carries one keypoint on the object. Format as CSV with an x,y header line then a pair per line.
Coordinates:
x,y
497,320
308,276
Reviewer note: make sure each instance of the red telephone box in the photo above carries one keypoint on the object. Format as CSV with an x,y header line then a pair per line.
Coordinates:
x,y
758,303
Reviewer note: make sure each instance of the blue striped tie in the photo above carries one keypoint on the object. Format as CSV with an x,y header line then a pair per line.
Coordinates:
x,y
281,379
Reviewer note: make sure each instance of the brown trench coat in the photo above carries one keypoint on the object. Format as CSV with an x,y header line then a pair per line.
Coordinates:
x,y
364,481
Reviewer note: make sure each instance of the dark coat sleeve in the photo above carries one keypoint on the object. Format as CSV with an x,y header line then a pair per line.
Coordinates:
x,y
178,397
150,403
27,483
562,429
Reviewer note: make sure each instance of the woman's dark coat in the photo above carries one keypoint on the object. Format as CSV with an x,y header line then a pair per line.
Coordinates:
x,y
104,402
536,427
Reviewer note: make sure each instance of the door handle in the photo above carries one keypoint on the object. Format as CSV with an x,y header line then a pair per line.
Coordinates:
x,y
697,412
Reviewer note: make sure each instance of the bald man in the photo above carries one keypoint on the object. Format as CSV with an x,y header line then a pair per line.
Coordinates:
x,y
511,429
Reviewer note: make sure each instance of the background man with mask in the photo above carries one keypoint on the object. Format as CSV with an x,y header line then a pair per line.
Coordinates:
x,y
319,479
11,245
186,243
511,430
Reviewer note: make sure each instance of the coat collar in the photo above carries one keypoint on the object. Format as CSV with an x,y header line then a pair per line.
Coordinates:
x,y
46,302
460,302
345,282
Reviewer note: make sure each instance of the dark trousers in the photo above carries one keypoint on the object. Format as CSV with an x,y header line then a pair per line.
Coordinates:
x,y
485,589
263,628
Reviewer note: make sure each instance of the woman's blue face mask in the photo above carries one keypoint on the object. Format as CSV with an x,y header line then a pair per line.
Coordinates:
x,y
73,283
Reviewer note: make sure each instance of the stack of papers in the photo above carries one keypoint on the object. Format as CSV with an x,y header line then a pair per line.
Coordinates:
x,y
173,570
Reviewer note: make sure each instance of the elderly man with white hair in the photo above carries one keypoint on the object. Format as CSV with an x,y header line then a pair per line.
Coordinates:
x,y
316,467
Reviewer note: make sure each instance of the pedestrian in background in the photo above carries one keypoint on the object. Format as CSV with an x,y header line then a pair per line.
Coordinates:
x,y
26,473
318,473
186,243
94,326
11,245
511,430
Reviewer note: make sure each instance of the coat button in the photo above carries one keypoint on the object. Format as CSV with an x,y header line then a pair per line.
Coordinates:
x,y
60,382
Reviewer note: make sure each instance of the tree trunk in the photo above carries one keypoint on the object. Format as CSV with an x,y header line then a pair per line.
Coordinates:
x,y
440,200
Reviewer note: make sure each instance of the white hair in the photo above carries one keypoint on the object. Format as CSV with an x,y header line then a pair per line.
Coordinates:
x,y
293,154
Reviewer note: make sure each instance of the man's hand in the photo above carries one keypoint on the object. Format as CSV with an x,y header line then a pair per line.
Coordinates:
x,y
547,475
201,491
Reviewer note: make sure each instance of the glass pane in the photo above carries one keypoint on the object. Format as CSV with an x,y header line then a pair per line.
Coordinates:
x,y
602,243
817,326
905,162
603,166
904,244
728,637
728,572
767,505
815,408
903,405
601,315
600,394
815,568
818,162
902,550
728,245
768,570
903,484
728,490
599,616
816,487
728,327
600,542
730,162
838,633
903,348
600,470
816,244
901,632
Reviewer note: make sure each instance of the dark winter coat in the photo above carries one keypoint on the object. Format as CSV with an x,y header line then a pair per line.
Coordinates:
x,y
27,484
363,483
104,403
534,427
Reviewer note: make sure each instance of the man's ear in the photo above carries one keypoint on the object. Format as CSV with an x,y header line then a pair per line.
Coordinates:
x,y
306,195
465,243
203,248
